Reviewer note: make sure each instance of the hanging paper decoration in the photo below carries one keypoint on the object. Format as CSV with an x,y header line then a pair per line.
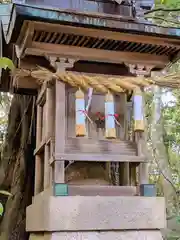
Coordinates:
x,y
138,110
80,114
90,93
110,124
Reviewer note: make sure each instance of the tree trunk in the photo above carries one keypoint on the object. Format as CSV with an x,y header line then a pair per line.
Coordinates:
x,y
160,151
17,167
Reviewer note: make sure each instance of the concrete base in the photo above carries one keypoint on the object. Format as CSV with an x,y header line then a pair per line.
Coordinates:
x,y
129,235
96,218
98,213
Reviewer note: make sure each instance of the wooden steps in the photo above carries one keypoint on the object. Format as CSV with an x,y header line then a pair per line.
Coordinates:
x,y
85,146
86,149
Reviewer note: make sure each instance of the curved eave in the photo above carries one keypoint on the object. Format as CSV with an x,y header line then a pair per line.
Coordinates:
x,y
104,21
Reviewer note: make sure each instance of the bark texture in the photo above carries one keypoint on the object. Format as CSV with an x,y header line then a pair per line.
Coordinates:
x,y
17,167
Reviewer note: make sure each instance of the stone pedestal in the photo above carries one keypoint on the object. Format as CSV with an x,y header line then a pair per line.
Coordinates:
x,y
121,235
96,218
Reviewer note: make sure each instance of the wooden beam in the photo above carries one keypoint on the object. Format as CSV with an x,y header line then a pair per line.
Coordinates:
x,y
38,175
25,38
99,157
50,98
39,127
49,123
25,83
82,53
97,33
31,62
40,148
46,167
42,94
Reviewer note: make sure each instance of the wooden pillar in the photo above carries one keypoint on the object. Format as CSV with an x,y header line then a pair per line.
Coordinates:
x,y
48,134
39,126
143,167
50,96
141,70
60,131
38,162
141,148
46,167
58,172
126,173
133,174
129,121
38,175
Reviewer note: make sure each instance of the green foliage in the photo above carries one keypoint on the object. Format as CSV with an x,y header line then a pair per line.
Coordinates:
x,y
6,63
167,3
167,18
1,209
171,139
1,206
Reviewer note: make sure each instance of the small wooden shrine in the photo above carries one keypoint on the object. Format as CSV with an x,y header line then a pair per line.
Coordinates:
x,y
87,117
88,71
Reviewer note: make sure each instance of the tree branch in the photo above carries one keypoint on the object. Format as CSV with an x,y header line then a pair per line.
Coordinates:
x,y
164,20
163,10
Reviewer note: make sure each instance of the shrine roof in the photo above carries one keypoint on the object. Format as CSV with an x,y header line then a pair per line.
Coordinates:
x,y
20,12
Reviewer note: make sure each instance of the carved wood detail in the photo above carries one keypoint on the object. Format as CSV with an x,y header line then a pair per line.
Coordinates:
x,y
61,64
140,69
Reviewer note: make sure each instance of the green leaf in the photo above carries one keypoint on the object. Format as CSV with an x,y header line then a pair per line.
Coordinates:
x,y
178,219
6,63
1,209
5,193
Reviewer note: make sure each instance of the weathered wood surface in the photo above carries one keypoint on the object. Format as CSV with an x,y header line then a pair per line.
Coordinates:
x,y
120,37
84,145
60,130
82,53
99,157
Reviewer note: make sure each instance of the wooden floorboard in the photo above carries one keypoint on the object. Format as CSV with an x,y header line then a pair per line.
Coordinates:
x,y
99,157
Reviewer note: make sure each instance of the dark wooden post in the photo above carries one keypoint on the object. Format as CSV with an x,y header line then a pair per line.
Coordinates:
x,y
48,134
141,70
60,131
60,122
38,162
126,173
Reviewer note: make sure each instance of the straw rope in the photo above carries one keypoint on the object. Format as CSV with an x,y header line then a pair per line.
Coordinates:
x,y
124,84
94,83
100,83
67,79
